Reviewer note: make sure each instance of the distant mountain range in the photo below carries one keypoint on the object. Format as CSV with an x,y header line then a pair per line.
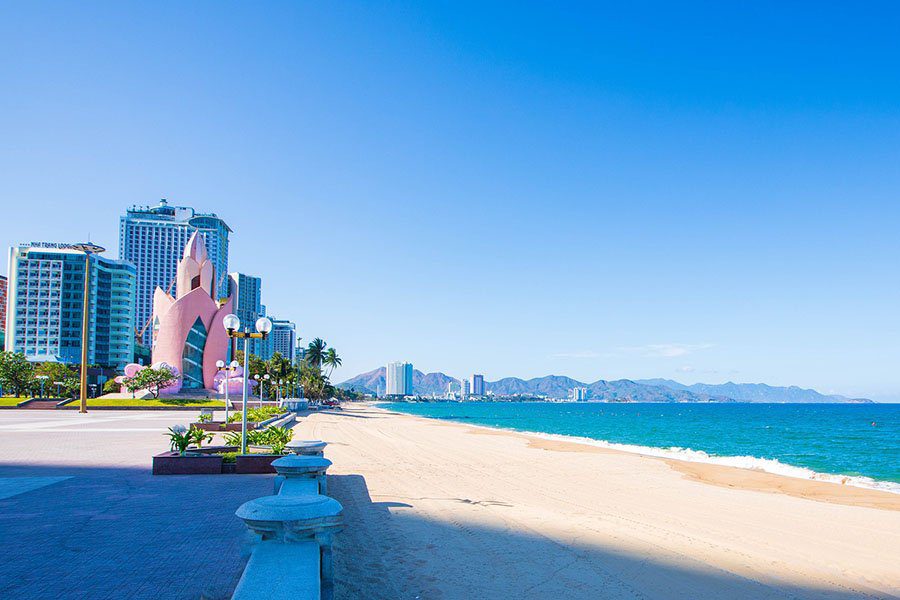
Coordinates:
x,y
754,392
622,390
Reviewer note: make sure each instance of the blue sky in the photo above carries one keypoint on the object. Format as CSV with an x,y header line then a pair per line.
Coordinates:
x,y
701,192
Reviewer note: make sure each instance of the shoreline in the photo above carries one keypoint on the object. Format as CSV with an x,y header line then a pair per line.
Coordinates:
x,y
822,487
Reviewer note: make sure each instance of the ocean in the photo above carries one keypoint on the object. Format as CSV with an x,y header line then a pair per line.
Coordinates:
x,y
857,444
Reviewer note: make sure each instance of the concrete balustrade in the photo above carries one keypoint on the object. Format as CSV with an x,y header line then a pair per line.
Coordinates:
x,y
307,447
297,526
298,467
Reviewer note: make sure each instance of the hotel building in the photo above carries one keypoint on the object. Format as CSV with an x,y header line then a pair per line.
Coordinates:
x,y
398,379
3,287
283,338
246,293
44,319
153,239
478,385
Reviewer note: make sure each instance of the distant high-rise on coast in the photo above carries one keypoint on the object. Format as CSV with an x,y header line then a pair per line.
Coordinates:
x,y
478,385
579,394
398,379
153,239
46,298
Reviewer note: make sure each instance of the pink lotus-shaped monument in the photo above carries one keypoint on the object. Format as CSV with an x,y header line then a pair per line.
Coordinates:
x,y
188,334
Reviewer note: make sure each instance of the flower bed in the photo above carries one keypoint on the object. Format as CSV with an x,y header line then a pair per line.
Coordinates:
x,y
185,459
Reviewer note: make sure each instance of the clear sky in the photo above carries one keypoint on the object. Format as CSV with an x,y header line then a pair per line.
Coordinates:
x,y
705,192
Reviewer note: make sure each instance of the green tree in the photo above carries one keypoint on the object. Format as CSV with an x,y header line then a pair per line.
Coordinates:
x,y
315,352
255,365
111,387
63,373
315,384
280,369
331,360
150,379
16,373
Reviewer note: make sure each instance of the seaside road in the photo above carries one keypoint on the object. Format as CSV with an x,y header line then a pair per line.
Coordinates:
x,y
443,510
81,516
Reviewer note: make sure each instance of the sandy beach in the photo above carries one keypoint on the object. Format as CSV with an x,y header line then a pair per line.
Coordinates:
x,y
442,510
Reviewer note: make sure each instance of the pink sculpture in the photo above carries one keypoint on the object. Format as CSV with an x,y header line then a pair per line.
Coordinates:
x,y
188,334
235,382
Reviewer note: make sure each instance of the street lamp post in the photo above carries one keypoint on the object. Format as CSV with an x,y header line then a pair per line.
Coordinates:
x,y
43,378
228,369
57,384
88,248
232,325
262,389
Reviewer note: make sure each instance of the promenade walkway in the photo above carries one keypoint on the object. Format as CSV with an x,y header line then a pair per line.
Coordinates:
x,y
81,516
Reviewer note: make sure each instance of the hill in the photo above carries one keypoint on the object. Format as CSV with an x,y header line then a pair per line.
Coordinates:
x,y
754,392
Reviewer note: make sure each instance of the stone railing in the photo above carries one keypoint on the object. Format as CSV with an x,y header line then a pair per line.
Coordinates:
x,y
297,526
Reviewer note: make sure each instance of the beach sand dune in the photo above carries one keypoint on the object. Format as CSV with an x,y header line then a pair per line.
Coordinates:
x,y
442,510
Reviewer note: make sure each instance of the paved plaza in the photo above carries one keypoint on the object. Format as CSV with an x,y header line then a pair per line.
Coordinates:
x,y
81,516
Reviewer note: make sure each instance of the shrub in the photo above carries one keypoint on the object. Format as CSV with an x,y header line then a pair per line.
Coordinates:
x,y
278,437
255,415
180,438
198,436
275,437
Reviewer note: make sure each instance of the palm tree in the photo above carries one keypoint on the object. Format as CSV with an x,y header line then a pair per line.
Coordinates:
x,y
331,360
315,352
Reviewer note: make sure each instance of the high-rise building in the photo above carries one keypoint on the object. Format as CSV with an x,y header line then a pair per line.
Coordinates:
x,y
465,389
153,239
299,352
283,338
3,287
478,385
246,294
399,379
44,320
579,394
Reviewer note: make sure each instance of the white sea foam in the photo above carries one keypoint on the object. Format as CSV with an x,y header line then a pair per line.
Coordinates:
x,y
767,465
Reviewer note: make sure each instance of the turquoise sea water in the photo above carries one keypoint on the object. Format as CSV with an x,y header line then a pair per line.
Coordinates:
x,y
817,441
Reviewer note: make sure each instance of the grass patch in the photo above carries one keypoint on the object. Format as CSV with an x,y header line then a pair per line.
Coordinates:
x,y
12,400
192,402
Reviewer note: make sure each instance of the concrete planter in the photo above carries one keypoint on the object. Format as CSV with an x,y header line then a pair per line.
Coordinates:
x,y
203,461
172,463
255,463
